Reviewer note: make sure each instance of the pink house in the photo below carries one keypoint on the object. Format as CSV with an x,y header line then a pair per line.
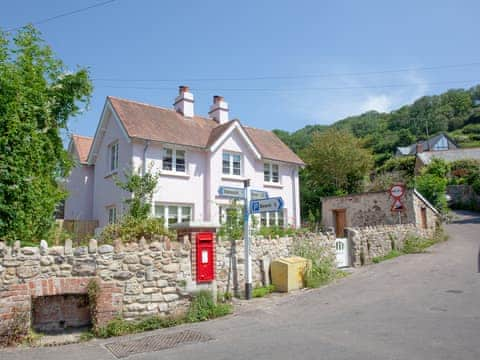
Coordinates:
x,y
194,156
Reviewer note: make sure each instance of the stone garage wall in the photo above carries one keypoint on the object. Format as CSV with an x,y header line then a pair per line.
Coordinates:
x,y
372,241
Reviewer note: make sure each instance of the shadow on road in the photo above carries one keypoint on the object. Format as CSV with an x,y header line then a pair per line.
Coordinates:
x,y
466,217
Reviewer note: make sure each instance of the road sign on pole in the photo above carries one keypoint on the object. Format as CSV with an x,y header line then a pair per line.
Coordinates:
x,y
266,205
246,236
231,192
258,194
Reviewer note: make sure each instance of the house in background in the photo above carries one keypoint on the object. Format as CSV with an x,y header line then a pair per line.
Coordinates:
x,y
440,142
194,156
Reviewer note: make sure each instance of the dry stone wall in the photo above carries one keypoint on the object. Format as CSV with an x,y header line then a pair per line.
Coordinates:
x,y
135,279
230,260
374,241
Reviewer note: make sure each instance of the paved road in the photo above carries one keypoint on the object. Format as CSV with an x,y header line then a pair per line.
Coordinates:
x,y
424,306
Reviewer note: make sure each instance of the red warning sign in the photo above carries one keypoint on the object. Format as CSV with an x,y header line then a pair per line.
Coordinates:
x,y
396,192
397,205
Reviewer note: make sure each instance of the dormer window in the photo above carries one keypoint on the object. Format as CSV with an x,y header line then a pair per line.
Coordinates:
x,y
270,173
231,164
113,156
173,160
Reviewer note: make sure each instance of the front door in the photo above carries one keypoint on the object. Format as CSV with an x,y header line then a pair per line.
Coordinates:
x,y
424,217
340,222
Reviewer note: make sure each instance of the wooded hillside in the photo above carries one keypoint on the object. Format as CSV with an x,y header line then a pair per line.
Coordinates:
x,y
456,112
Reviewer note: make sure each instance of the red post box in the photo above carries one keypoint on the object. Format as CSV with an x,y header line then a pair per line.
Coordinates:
x,y
205,257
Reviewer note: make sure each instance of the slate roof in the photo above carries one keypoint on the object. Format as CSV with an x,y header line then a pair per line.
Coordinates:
x,y
427,145
83,145
450,155
155,123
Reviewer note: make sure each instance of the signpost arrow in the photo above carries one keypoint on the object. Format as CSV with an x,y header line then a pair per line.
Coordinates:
x,y
258,194
231,192
266,205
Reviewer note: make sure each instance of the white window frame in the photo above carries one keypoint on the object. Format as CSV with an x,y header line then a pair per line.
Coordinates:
x,y
231,154
112,215
277,215
166,211
113,162
222,212
174,160
270,172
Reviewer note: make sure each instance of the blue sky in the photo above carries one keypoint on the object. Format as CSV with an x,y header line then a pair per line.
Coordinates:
x,y
184,41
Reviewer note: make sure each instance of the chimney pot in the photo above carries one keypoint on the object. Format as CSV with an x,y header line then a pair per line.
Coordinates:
x,y
419,148
184,103
183,89
219,110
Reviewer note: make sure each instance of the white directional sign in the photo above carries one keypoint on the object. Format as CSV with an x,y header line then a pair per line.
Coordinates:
x,y
226,191
265,205
258,194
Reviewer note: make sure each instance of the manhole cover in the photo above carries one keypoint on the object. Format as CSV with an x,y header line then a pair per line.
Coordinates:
x,y
123,349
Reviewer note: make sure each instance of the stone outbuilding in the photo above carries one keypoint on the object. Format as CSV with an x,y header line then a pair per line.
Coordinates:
x,y
375,208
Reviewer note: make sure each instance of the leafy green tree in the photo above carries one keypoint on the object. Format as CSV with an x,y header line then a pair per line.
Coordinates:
x,y
37,97
432,183
141,187
336,164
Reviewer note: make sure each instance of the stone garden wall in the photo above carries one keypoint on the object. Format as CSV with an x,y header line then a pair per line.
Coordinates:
x,y
374,241
231,258
135,279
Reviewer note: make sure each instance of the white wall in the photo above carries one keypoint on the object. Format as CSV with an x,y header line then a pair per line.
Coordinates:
x,y
253,170
106,193
79,203
182,188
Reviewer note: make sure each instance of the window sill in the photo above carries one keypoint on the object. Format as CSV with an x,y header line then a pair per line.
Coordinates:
x,y
174,174
273,185
110,174
233,178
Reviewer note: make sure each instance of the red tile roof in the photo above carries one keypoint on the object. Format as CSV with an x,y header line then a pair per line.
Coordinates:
x,y
83,145
166,125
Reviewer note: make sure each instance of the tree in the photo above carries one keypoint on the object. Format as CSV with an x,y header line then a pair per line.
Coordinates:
x,y
432,183
37,97
337,163
141,187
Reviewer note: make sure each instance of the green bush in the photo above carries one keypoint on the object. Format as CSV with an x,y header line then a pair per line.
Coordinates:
x,y
133,229
204,308
261,291
323,268
274,231
392,254
416,245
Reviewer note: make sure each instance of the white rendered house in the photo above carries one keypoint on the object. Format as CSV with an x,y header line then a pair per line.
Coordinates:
x,y
194,155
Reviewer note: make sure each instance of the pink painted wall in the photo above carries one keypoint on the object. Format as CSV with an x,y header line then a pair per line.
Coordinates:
x,y
198,187
79,203
175,188
106,193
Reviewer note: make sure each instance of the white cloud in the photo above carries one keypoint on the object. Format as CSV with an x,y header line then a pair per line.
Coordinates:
x,y
348,96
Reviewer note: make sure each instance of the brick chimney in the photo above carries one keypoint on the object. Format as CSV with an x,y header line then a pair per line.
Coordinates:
x,y
219,110
184,102
419,148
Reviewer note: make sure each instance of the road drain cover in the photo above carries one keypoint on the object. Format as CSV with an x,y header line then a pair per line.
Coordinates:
x,y
122,349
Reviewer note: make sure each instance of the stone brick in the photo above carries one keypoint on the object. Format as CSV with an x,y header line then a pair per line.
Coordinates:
x,y
105,249
171,268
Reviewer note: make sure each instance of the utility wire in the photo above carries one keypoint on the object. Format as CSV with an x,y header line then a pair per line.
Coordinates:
x,y
42,21
292,89
304,76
